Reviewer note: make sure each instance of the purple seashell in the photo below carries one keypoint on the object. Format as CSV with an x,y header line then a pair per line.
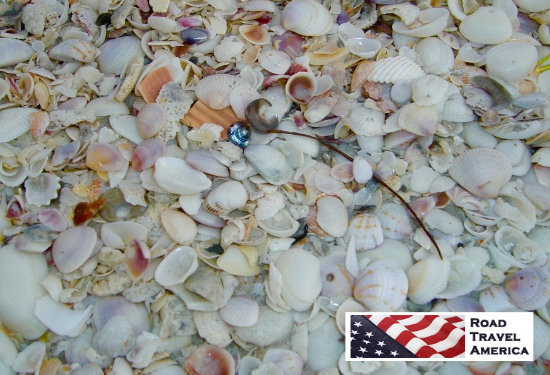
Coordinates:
x,y
147,153
189,22
527,25
194,35
64,153
343,17
290,43
52,219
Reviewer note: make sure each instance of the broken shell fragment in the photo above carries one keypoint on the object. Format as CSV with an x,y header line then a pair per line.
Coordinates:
x,y
210,360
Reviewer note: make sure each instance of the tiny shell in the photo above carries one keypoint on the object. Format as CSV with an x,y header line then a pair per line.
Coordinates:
x,y
180,227
240,311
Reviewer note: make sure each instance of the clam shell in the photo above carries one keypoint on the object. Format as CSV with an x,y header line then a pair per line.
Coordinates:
x,y
216,89
280,225
337,281
276,62
367,231
465,276
177,177
179,226
216,360
365,121
212,328
177,266
226,197
13,51
14,122
72,248
418,119
240,311
427,278
116,53
481,171
306,17
394,220
456,110
430,22
529,288
74,50
255,34
395,69
487,25
269,162
382,286
108,307
531,6
146,153
150,120
332,216
511,61
103,157
301,87
287,361
205,161
429,90
239,260
125,125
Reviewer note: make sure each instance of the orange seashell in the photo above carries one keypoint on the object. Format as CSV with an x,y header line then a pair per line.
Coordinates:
x,y
150,86
361,73
200,113
255,34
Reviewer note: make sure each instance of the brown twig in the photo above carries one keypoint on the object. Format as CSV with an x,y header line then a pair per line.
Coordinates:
x,y
375,178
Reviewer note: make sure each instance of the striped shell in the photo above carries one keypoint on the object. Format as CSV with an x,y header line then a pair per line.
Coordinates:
x,y
306,17
395,69
14,122
367,231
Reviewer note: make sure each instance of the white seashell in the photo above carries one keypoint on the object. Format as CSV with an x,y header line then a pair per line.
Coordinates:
x,y
72,248
240,311
116,338
511,61
429,90
301,275
395,69
20,276
103,107
362,170
542,157
74,50
120,233
14,122
42,189
308,146
401,91
427,278
179,226
125,125
60,319
494,298
206,162
382,286
418,119
365,121
306,17
280,225
276,62
239,260
444,222
529,288
465,276
177,177
163,24
269,162
430,22
215,90
407,12
13,51
225,198
8,350
177,266
367,231
30,359
336,280
215,360
228,48
363,47
269,205
332,216
212,328
517,250
142,353
483,172
530,6
116,53
108,307
241,97
456,110
272,327
394,220
516,208
538,194
487,25
301,87
288,361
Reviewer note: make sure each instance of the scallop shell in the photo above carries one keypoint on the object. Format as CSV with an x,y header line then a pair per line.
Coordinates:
x,y
240,311
276,62
394,69
382,286
481,171
511,61
306,17
74,50
14,122
395,221
13,51
367,231
116,53
254,34
418,119
427,278
529,288
366,121
456,110
215,90
487,25
42,189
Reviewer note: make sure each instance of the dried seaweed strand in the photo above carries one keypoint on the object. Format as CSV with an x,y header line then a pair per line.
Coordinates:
x,y
375,178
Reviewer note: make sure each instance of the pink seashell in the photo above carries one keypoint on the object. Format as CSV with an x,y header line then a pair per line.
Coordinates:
x,y
210,360
15,209
103,157
189,22
342,171
150,120
64,153
53,219
143,5
290,43
39,123
529,288
146,153
423,205
137,259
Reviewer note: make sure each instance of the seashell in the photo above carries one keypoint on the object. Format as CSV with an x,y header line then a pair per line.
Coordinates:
x,y
177,177
301,87
20,276
464,277
106,308
335,278
206,162
516,249
529,288
147,153
239,260
408,13
239,134
209,359
494,298
429,90
39,122
13,52
200,113
280,225
427,278
365,48
162,70
269,162
53,219
418,119
212,328
116,338
103,157
365,121
65,153
29,360
306,17
14,122
456,110
116,208
530,6
367,231
240,311
276,62
483,172
194,35
394,69
138,258
42,189
487,25
116,53
150,120
240,99
176,266
444,222
60,319
229,48
223,199
538,194
179,226
429,22
503,61
255,34
301,275
332,216
286,360
142,353
215,90
394,220
74,50
72,248
382,286
164,25
361,73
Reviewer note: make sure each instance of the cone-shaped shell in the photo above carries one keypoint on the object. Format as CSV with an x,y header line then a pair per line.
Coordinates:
x,y
306,17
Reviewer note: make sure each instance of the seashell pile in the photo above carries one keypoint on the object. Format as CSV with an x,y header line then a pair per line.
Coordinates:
x,y
208,186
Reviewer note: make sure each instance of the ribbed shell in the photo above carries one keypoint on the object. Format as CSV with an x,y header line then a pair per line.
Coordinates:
x,y
306,17
74,50
13,51
529,288
394,69
367,231
427,278
215,90
116,53
14,122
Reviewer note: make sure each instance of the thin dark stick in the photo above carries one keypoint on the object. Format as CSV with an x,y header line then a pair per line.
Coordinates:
x,y
375,178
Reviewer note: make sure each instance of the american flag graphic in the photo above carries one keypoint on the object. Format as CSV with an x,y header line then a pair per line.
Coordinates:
x,y
406,336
